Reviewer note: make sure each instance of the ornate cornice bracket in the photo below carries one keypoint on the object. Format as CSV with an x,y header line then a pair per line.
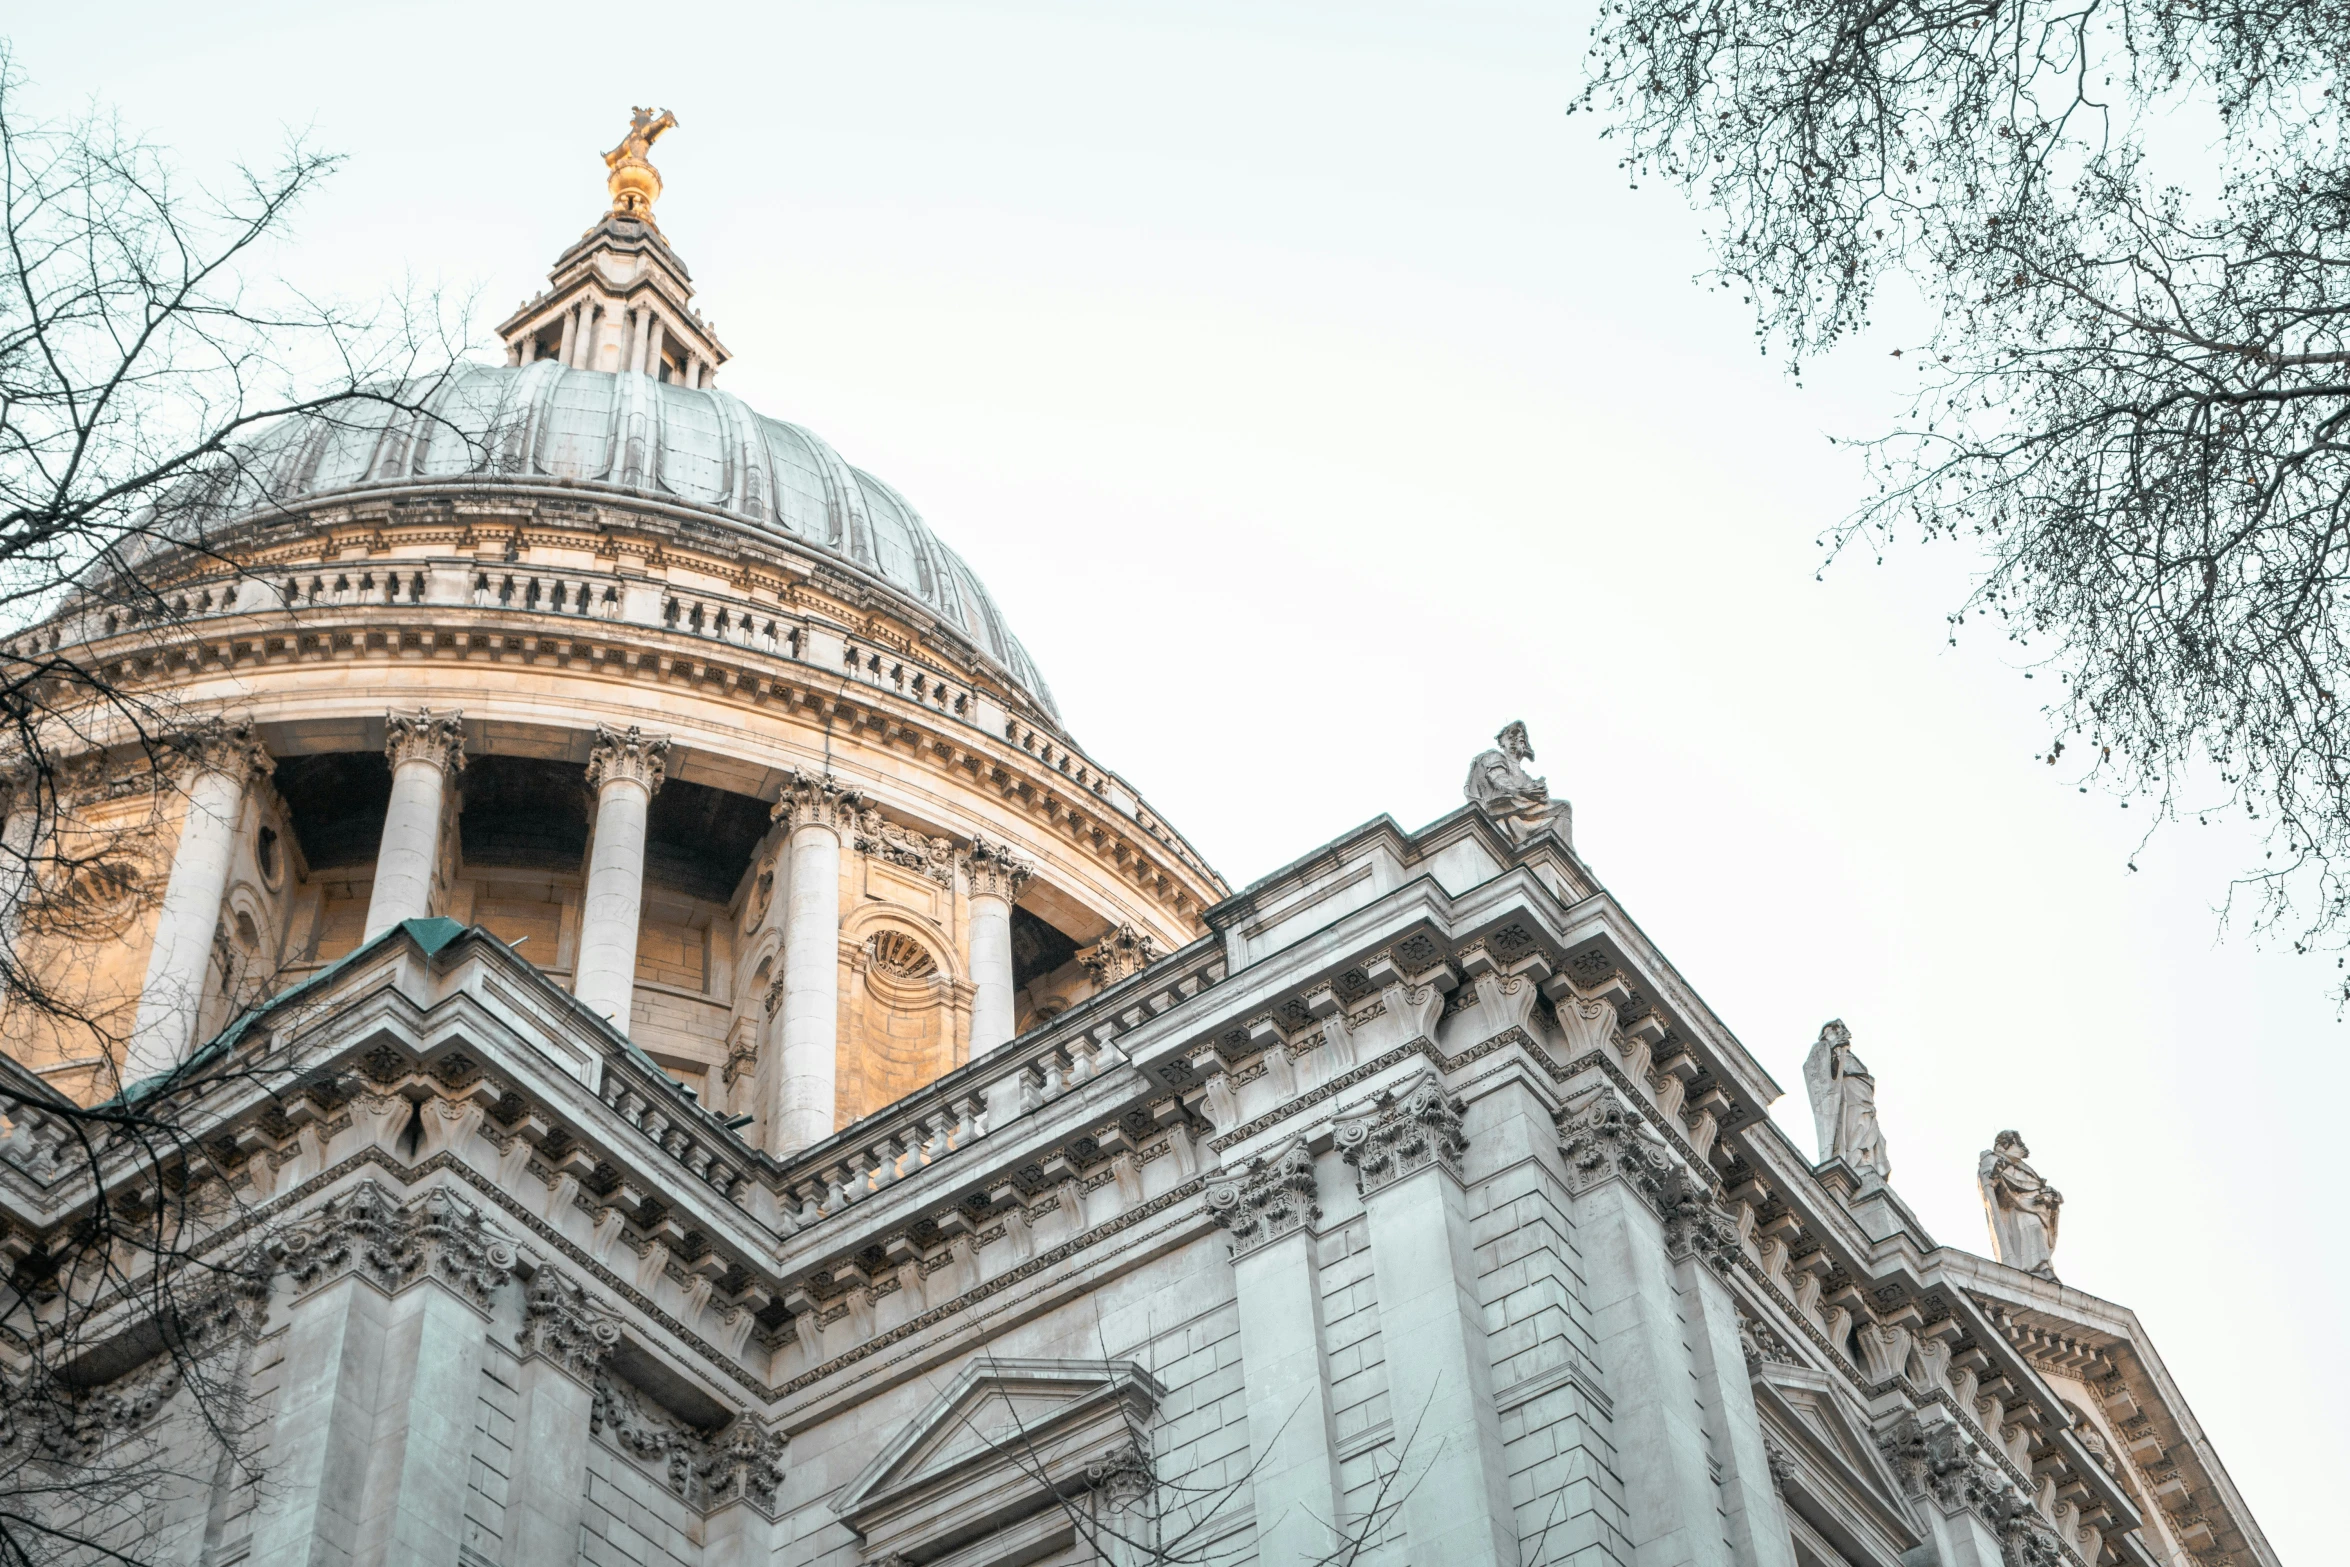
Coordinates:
x,y
1271,1197
1408,1128
631,757
426,736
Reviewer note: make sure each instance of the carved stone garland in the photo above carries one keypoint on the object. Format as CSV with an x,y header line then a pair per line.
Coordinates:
x,y
706,1471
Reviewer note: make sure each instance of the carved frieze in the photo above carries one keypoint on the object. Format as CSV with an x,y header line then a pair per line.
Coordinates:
x,y
1270,1198
1407,1129
918,852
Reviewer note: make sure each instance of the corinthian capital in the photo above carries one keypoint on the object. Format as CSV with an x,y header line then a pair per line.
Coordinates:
x,y
1270,1198
225,746
810,801
993,872
426,736
1121,952
634,757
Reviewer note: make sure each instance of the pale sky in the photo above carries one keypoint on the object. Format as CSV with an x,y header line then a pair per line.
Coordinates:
x,y
1315,398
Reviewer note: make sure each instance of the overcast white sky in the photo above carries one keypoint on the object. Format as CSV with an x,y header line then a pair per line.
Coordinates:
x,y
1315,398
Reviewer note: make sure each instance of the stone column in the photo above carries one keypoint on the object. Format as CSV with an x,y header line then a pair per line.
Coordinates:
x,y
640,319
570,336
426,750
995,880
624,770
221,764
1407,1158
1270,1210
583,349
656,333
818,811
19,831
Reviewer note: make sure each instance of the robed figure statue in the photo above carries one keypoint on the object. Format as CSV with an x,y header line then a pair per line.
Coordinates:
x,y
1844,1105
1500,786
2021,1206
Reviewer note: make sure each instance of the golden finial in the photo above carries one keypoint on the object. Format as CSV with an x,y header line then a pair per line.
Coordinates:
x,y
635,183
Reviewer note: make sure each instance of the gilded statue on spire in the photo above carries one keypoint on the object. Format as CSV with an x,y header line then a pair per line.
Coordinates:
x,y
635,183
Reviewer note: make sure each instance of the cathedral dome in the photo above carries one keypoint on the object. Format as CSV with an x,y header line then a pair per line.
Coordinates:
x,y
697,448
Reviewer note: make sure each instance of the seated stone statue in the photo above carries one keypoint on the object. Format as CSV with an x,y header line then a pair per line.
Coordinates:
x,y
2022,1207
1500,786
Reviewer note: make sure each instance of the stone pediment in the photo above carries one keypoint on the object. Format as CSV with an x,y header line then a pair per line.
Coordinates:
x,y
998,1452
1829,1468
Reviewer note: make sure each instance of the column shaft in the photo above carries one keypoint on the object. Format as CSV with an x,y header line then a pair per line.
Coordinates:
x,y
1673,1507
546,1497
570,336
180,960
656,333
1292,1441
624,770
991,972
19,832
423,750
1439,1370
583,352
811,988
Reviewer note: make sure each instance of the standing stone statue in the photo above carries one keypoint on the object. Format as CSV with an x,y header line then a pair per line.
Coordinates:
x,y
1844,1105
1500,786
2021,1206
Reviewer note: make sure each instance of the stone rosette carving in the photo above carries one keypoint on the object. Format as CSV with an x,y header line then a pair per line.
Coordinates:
x,y
885,840
1606,1141
630,756
1121,952
991,870
426,736
810,801
1407,1129
368,1232
1271,1197
560,1322
741,1461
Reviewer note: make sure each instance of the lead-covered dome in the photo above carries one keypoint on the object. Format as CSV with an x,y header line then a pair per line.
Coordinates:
x,y
694,447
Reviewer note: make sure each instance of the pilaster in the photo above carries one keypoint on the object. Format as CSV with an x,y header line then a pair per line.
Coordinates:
x,y
1406,1153
1270,1211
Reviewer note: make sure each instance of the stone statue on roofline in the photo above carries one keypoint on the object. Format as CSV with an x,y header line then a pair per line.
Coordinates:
x,y
1519,803
1844,1105
2021,1206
